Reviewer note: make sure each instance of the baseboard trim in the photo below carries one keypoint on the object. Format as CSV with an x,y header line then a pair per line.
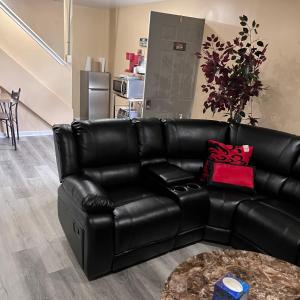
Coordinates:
x,y
30,133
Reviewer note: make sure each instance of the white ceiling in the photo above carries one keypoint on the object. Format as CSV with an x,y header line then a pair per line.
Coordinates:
x,y
113,3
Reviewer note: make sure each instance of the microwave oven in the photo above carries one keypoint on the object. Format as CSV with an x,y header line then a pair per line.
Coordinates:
x,y
129,87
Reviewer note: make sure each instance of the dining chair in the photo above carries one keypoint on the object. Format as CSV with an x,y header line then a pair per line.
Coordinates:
x,y
15,96
9,115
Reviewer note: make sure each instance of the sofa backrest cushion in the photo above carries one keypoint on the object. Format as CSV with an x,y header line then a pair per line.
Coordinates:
x,y
107,150
105,142
151,141
186,141
274,155
291,188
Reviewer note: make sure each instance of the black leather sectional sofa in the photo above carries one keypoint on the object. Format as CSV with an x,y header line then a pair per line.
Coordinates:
x,y
129,191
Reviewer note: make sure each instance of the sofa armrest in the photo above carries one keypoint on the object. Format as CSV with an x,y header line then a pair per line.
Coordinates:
x,y
167,174
65,151
90,197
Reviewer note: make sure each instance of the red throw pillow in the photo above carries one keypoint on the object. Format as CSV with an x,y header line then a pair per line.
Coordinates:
x,y
234,155
232,176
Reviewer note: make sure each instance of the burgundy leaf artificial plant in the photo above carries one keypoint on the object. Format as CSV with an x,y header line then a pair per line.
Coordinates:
x,y
232,72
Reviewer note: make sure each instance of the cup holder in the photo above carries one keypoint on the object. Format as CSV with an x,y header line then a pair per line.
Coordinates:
x,y
189,187
179,188
193,186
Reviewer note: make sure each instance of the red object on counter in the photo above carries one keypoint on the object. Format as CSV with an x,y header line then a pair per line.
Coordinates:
x,y
134,60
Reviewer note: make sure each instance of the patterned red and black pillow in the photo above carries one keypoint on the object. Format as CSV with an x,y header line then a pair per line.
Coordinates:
x,y
233,155
231,176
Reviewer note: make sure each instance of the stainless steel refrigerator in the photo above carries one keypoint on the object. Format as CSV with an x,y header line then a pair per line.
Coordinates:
x,y
94,95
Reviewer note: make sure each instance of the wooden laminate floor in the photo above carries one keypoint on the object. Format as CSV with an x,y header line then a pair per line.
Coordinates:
x,y
36,261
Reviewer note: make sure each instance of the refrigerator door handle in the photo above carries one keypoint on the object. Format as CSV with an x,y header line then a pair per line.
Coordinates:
x,y
97,89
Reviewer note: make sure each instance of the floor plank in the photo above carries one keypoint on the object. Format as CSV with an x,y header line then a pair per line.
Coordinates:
x,y
36,261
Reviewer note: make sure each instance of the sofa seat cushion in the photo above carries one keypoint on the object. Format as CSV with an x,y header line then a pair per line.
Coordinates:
x,y
287,207
223,204
270,226
143,218
123,194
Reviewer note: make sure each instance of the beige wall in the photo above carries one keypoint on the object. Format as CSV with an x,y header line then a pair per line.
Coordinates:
x,y
45,84
45,17
279,106
29,121
34,94
90,38
28,54
111,33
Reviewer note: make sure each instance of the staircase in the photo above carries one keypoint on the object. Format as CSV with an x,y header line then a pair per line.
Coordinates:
x,y
28,62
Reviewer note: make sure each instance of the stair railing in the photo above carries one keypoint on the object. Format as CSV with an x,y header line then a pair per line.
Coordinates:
x,y
31,33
